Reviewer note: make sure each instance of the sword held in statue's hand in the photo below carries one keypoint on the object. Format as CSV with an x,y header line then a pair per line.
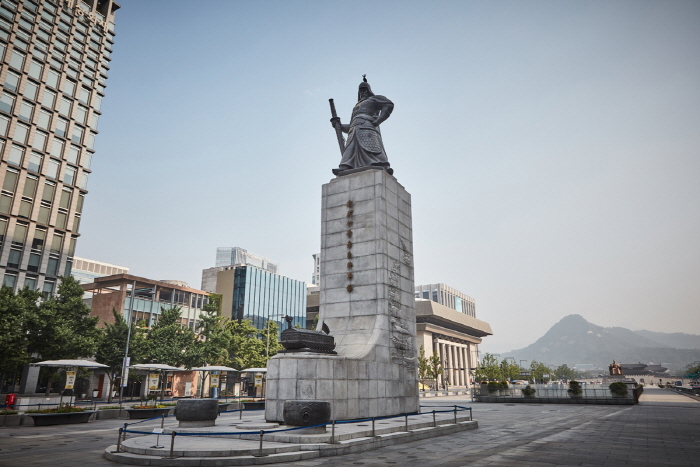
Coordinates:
x,y
336,124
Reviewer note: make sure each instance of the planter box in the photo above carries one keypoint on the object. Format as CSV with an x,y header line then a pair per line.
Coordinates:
x,y
253,405
44,419
109,414
229,406
10,420
136,414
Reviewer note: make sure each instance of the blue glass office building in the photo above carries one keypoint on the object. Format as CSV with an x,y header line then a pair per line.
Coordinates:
x,y
259,295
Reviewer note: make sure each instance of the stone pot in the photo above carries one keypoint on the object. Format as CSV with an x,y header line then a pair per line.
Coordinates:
x,y
197,412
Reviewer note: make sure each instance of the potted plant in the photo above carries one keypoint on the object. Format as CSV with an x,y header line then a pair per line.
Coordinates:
x,y
528,392
253,404
493,387
619,389
575,389
504,388
147,411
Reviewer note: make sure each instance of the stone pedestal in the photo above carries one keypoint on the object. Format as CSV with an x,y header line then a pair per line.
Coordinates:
x,y
367,301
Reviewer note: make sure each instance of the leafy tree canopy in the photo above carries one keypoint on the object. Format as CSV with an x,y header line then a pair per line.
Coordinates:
x,y
62,327
169,342
15,312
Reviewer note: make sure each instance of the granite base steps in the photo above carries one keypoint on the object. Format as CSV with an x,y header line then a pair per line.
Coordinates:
x,y
227,449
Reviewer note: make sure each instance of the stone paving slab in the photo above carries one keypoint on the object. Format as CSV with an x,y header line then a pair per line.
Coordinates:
x,y
660,431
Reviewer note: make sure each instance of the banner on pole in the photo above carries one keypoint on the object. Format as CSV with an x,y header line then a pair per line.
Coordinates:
x,y
214,381
153,380
70,379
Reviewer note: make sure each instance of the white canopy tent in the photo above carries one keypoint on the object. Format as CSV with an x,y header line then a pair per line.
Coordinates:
x,y
69,364
257,370
210,368
161,367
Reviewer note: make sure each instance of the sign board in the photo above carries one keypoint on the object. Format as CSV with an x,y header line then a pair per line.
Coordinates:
x,y
258,380
524,373
70,379
153,379
214,381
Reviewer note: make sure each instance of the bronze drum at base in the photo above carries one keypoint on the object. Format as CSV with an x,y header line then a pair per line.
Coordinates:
x,y
306,413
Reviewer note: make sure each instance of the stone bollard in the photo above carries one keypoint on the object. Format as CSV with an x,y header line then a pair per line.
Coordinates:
x,y
197,412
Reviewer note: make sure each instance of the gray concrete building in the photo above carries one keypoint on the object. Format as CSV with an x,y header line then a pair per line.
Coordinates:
x,y
54,58
447,296
452,335
86,271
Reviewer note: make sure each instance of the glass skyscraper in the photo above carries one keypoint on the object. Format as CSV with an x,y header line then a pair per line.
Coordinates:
x,y
260,295
55,59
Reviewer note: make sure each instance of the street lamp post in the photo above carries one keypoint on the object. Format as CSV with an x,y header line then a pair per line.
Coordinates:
x,y
125,362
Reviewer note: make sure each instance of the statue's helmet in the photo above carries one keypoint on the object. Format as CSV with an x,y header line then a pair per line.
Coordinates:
x,y
364,85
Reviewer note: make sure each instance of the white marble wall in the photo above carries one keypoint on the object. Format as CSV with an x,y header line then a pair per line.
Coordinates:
x,y
373,373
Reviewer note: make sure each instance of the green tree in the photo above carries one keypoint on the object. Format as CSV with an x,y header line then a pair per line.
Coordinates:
x,y
245,349
423,365
15,311
170,342
509,370
213,335
564,372
62,327
213,338
435,367
110,350
269,336
538,371
488,369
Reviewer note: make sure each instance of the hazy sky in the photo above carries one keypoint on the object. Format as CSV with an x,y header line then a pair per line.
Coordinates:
x,y
552,149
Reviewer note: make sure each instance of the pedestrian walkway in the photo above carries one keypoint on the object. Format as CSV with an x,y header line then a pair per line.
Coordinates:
x,y
663,430
666,397
232,442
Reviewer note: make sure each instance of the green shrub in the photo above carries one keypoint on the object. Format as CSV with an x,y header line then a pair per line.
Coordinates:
x,y
619,389
493,386
109,407
528,391
8,412
575,388
63,409
504,385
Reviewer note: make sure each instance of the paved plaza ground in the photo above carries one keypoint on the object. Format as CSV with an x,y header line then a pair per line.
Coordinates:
x,y
663,430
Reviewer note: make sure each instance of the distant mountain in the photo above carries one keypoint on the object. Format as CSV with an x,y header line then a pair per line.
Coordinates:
x,y
675,340
574,340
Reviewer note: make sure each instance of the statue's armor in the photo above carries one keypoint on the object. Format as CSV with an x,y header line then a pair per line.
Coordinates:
x,y
364,147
